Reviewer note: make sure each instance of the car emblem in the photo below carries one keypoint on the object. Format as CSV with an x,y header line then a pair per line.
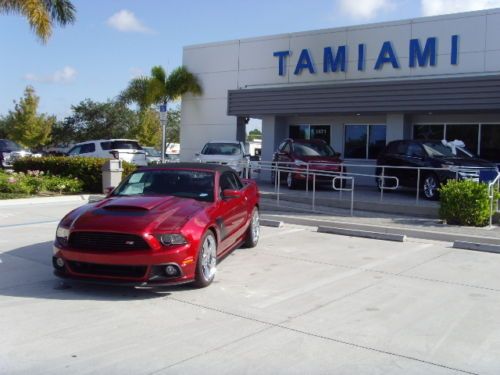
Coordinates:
x,y
129,243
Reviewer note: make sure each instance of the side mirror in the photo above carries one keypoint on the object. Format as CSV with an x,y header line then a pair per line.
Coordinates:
x,y
230,194
109,190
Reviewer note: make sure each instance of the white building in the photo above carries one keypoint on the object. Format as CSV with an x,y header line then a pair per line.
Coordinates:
x,y
356,87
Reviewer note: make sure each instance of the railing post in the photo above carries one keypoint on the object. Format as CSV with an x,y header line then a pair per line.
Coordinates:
x,y
418,186
341,180
278,187
352,197
382,184
314,193
307,179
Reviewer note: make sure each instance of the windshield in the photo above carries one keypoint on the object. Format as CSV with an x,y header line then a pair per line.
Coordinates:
x,y
152,152
179,183
221,149
9,145
313,149
437,149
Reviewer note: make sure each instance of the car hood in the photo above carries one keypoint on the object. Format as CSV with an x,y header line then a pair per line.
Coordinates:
x,y
467,162
138,214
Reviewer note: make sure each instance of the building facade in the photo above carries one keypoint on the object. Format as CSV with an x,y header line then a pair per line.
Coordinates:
x,y
355,87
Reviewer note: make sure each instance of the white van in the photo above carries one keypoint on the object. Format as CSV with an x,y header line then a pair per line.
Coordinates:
x,y
127,150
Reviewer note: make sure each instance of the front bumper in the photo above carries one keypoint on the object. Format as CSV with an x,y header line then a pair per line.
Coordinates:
x,y
127,268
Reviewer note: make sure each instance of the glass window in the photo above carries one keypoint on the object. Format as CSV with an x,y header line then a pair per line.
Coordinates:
x,y
87,148
313,149
355,141
428,132
320,132
376,140
221,149
490,142
299,131
75,150
106,145
467,133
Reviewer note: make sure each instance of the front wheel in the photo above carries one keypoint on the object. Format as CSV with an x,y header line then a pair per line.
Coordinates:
x,y
207,261
253,231
430,187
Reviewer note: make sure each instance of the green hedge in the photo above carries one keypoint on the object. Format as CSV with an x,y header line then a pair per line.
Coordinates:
x,y
465,202
88,170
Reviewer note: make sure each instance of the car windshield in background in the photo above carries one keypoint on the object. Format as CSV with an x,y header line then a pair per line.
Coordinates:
x,y
179,183
221,149
313,149
152,152
436,149
9,145
125,145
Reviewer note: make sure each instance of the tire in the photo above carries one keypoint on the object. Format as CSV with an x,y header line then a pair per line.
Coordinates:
x,y
430,187
253,232
207,261
291,183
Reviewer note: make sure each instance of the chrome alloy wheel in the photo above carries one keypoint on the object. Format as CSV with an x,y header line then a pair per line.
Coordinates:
x,y
430,187
255,226
209,257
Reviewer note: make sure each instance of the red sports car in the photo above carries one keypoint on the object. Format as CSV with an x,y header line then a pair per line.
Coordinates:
x,y
161,225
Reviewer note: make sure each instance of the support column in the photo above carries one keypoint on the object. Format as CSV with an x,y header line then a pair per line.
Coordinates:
x,y
241,129
395,126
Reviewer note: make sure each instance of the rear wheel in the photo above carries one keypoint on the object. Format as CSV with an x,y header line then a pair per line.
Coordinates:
x,y
207,261
430,187
253,231
291,182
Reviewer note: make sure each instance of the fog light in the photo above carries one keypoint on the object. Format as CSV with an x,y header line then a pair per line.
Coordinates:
x,y
171,270
58,263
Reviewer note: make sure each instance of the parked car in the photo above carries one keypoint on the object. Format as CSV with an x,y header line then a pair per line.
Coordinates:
x,y
11,151
162,225
153,156
128,150
428,154
231,153
296,157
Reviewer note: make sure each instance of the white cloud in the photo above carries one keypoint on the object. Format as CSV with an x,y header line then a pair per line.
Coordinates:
x,y
365,9
434,7
64,75
126,21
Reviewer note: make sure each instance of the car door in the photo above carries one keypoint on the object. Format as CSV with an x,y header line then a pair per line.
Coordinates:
x,y
415,158
232,210
284,159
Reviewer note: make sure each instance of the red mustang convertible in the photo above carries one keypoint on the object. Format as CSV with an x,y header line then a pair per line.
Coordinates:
x,y
162,225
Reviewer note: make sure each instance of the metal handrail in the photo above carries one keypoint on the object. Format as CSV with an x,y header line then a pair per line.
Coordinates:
x,y
351,189
491,195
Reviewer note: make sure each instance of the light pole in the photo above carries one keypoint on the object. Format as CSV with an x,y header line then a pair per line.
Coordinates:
x,y
163,121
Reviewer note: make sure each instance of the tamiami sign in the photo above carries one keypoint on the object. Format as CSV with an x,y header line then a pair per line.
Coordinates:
x,y
335,60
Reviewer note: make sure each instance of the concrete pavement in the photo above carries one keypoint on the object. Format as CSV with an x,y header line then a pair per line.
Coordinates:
x,y
300,302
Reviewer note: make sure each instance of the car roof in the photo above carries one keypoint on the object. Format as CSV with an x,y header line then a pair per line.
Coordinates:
x,y
191,166
222,141
107,140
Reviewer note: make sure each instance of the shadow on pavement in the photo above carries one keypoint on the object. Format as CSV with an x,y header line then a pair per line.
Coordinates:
x,y
27,272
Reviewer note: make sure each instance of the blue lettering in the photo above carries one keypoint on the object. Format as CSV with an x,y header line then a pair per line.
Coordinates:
x,y
361,57
332,64
454,50
429,53
281,55
304,62
386,55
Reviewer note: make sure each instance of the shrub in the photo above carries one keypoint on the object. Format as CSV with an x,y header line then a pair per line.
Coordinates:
x,y
88,170
465,202
21,184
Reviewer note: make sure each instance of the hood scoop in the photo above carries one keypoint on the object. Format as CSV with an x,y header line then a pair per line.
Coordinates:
x,y
134,203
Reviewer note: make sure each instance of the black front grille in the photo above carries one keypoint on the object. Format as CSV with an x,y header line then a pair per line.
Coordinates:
x,y
107,269
106,241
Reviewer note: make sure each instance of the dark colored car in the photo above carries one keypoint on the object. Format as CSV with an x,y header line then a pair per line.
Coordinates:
x,y
9,152
162,225
428,154
296,157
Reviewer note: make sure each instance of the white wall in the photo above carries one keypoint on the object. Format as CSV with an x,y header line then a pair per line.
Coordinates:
x,y
249,63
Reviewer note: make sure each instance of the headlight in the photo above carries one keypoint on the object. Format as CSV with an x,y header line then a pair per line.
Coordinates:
x,y
62,235
6,155
172,239
300,163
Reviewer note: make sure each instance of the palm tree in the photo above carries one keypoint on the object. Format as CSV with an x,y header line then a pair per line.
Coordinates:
x,y
160,89
41,14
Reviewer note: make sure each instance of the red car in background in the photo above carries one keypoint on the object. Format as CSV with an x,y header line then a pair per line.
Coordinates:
x,y
296,157
161,225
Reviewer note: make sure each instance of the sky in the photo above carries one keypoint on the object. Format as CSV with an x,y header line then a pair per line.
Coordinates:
x,y
113,41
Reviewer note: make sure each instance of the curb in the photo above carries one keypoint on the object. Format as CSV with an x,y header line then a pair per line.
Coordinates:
x,y
488,248
409,232
272,223
43,200
363,233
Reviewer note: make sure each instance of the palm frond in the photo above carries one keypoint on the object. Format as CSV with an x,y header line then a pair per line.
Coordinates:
x,y
137,91
61,11
158,73
180,82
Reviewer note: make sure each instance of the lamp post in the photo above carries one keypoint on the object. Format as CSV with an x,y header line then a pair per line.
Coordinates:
x,y
163,121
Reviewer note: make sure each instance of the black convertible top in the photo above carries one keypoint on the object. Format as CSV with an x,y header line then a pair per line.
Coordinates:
x,y
213,167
